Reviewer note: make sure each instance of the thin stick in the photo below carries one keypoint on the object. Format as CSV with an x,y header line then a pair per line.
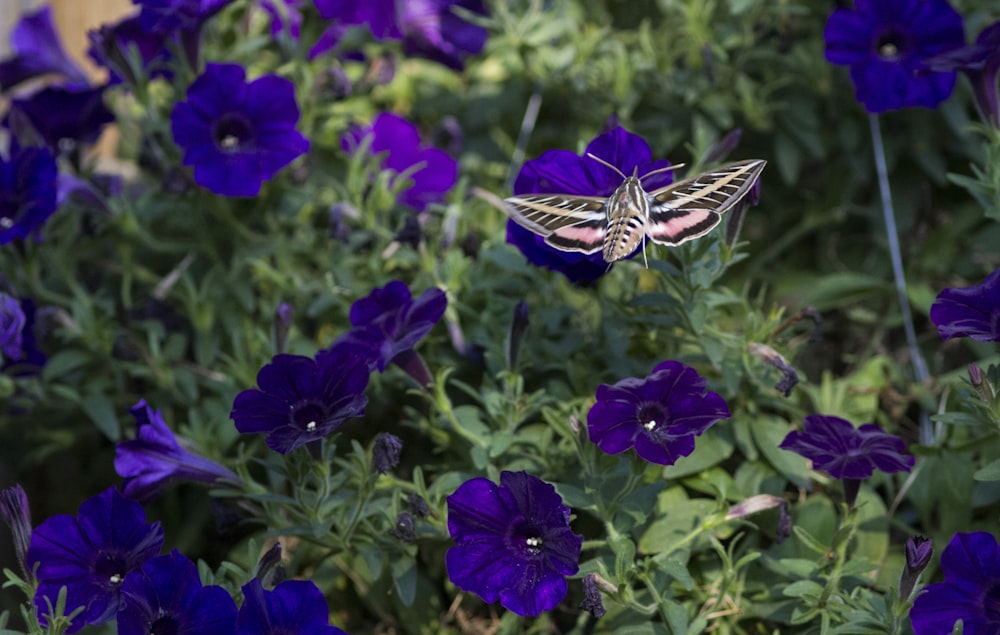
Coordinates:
x,y
527,126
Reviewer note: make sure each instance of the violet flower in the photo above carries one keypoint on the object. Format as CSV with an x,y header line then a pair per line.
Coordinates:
x,y
38,51
166,16
27,192
513,542
66,116
111,46
970,311
981,63
12,322
659,415
31,357
294,606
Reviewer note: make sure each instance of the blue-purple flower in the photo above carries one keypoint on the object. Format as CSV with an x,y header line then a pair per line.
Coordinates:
x,y
970,311
167,596
659,415
154,459
27,192
885,42
918,555
564,172
65,116
237,134
165,16
970,591
111,46
299,399
91,554
21,354
513,542
12,322
294,606
431,171
38,51
980,62
836,447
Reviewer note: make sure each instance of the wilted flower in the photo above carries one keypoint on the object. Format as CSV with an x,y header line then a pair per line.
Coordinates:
x,y
514,542
385,452
885,42
970,591
167,596
237,134
27,192
592,602
659,415
91,554
405,527
564,172
432,172
17,516
970,311
38,51
418,505
66,116
299,400
294,606
154,459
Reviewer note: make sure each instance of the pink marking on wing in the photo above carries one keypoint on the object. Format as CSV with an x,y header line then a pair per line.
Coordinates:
x,y
678,225
581,233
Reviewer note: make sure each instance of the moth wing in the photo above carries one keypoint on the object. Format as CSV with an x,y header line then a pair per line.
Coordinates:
x,y
567,222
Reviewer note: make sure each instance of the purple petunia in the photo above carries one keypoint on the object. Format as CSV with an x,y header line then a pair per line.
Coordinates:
x,y
111,47
299,400
970,311
294,606
27,192
513,542
31,357
885,42
836,447
165,16
970,591
980,62
237,134
38,51
659,415
564,172
91,554
12,322
154,459
66,116
167,596
432,172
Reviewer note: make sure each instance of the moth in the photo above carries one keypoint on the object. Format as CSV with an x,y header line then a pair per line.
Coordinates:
x,y
616,226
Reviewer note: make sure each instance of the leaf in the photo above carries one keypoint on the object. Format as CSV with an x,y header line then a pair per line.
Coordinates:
x,y
989,473
101,411
404,578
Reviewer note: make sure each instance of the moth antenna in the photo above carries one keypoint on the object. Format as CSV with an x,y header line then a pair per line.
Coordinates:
x,y
664,169
605,163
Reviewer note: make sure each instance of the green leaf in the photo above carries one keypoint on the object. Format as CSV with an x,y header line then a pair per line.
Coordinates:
x,y
101,411
404,577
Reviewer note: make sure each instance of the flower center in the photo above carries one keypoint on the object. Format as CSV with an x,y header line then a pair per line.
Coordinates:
x,y
6,223
652,414
534,544
891,45
307,416
110,567
233,133
166,625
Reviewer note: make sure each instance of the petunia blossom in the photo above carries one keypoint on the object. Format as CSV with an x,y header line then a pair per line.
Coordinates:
x,y
113,46
38,51
66,116
27,192
12,322
970,591
513,542
970,311
165,16
980,61
294,606
836,447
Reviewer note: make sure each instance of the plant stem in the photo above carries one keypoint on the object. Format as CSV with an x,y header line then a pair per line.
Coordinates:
x,y
527,127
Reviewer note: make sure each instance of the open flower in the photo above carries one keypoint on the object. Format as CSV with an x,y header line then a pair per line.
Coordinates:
x,y
299,400
970,591
294,606
38,51
432,172
514,542
91,554
27,192
659,415
565,172
980,62
154,459
167,596
237,134
885,43
66,116
970,311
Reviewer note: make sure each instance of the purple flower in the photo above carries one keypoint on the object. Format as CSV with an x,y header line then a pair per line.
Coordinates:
x,y
970,311
564,172
285,15
885,43
165,16
385,452
110,47
299,400
659,415
17,517
37,51
514,542
237,134
91,554
836,447
294,606
918,555
155,459
11,327
27,192
167,596
65,116
388,322
981,64
429,28
432,172
970,591
30,355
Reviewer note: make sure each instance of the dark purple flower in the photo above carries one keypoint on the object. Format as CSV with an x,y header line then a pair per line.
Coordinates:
x,y
17,516
418,505
27,192
165,16
564,172
970,311
31,357
66,116
405,528
299,400
38,51
294,606
981,64
111,44
167,596
592,602
659,415
91,554
237,134
286,17
388,322
970,591
432,172
155,459
11,327
885,43
836,447
385,452
514,542
918,555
